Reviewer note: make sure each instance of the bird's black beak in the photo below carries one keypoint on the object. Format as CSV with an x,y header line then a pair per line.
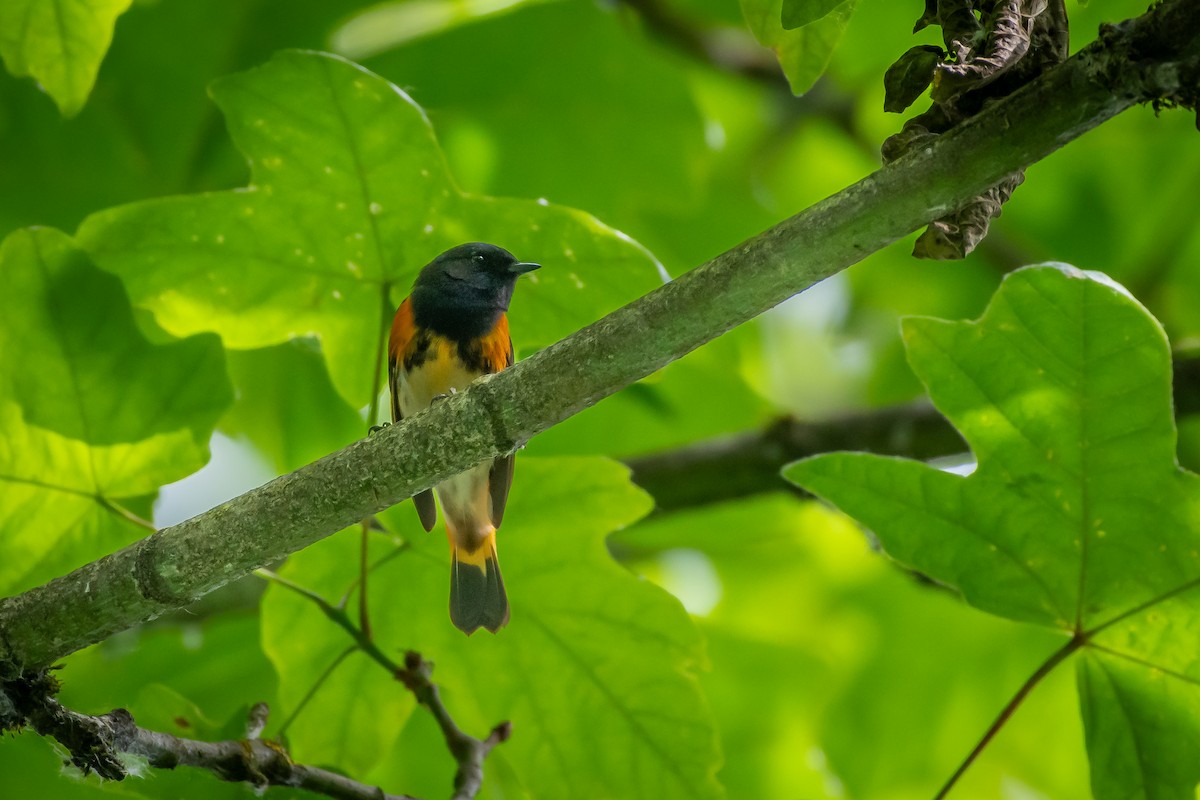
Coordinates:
x,y
521,267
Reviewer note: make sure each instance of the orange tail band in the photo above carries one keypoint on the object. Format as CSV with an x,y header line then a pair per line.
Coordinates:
x,y
477,596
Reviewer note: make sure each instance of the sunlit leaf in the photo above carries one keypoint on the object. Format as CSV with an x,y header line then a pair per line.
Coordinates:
x,y
92,413
287,406
149,128
585,108
59,43
798,13
349,199
801,591
1077,517
802,51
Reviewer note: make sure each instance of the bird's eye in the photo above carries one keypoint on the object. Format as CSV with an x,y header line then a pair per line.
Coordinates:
x,y
478,259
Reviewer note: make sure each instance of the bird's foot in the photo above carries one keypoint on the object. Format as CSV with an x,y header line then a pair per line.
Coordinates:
x,y
437,398
378,428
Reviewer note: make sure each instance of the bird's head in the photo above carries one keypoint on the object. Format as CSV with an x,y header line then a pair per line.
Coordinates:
x,y
463,292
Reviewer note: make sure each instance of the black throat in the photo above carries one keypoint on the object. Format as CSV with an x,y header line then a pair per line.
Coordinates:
x,y
459,316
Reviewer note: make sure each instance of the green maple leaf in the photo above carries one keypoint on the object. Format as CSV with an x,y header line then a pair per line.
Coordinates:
x,y
93,414
1077,516
802,33
595,670
349,197
60,43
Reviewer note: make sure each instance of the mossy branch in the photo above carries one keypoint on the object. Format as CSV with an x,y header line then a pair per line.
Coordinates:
x,y
1155,58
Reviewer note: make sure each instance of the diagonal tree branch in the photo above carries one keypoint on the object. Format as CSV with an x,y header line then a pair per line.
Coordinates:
x,y
1153,58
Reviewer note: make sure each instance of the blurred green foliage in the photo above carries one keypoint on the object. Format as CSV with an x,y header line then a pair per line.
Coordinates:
x,y
810,665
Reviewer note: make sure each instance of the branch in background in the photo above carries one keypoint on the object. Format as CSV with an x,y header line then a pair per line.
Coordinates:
x,y
1152,58
731,50
102,744
744,464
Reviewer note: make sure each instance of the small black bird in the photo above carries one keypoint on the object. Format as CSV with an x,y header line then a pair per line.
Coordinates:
x,y
447,333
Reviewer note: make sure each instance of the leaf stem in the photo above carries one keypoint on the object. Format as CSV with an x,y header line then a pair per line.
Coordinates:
x,y
337,615
364,612
1010,708
385,315
125,514
397,550
312,691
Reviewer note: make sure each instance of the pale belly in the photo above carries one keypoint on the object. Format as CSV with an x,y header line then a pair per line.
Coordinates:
x,y
465,499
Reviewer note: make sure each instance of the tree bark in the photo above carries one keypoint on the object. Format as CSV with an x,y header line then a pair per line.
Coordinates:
x,y
1153,58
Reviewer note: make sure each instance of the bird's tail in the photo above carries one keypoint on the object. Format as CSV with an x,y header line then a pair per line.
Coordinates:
x,y
477,597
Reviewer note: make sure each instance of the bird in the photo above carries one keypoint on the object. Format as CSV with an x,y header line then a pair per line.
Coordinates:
x,y
450,330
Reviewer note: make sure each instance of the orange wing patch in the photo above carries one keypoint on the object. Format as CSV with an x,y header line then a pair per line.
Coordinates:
x,y
497,347
400,342
403,331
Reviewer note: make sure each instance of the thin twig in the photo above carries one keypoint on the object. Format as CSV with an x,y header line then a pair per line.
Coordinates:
x,y
337,615
385,318
468,751
731,50
364,614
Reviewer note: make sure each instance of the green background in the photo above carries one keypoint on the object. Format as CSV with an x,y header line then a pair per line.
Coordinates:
x,y
756,648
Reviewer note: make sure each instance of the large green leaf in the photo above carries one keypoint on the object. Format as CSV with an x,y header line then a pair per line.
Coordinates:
x,y
149,129
798,13
1077,516
802,34
836,653
587,116
595,670
287,406
349,198
92,413
59,43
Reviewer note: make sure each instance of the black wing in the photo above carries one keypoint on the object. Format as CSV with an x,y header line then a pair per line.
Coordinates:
x,y
500,479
